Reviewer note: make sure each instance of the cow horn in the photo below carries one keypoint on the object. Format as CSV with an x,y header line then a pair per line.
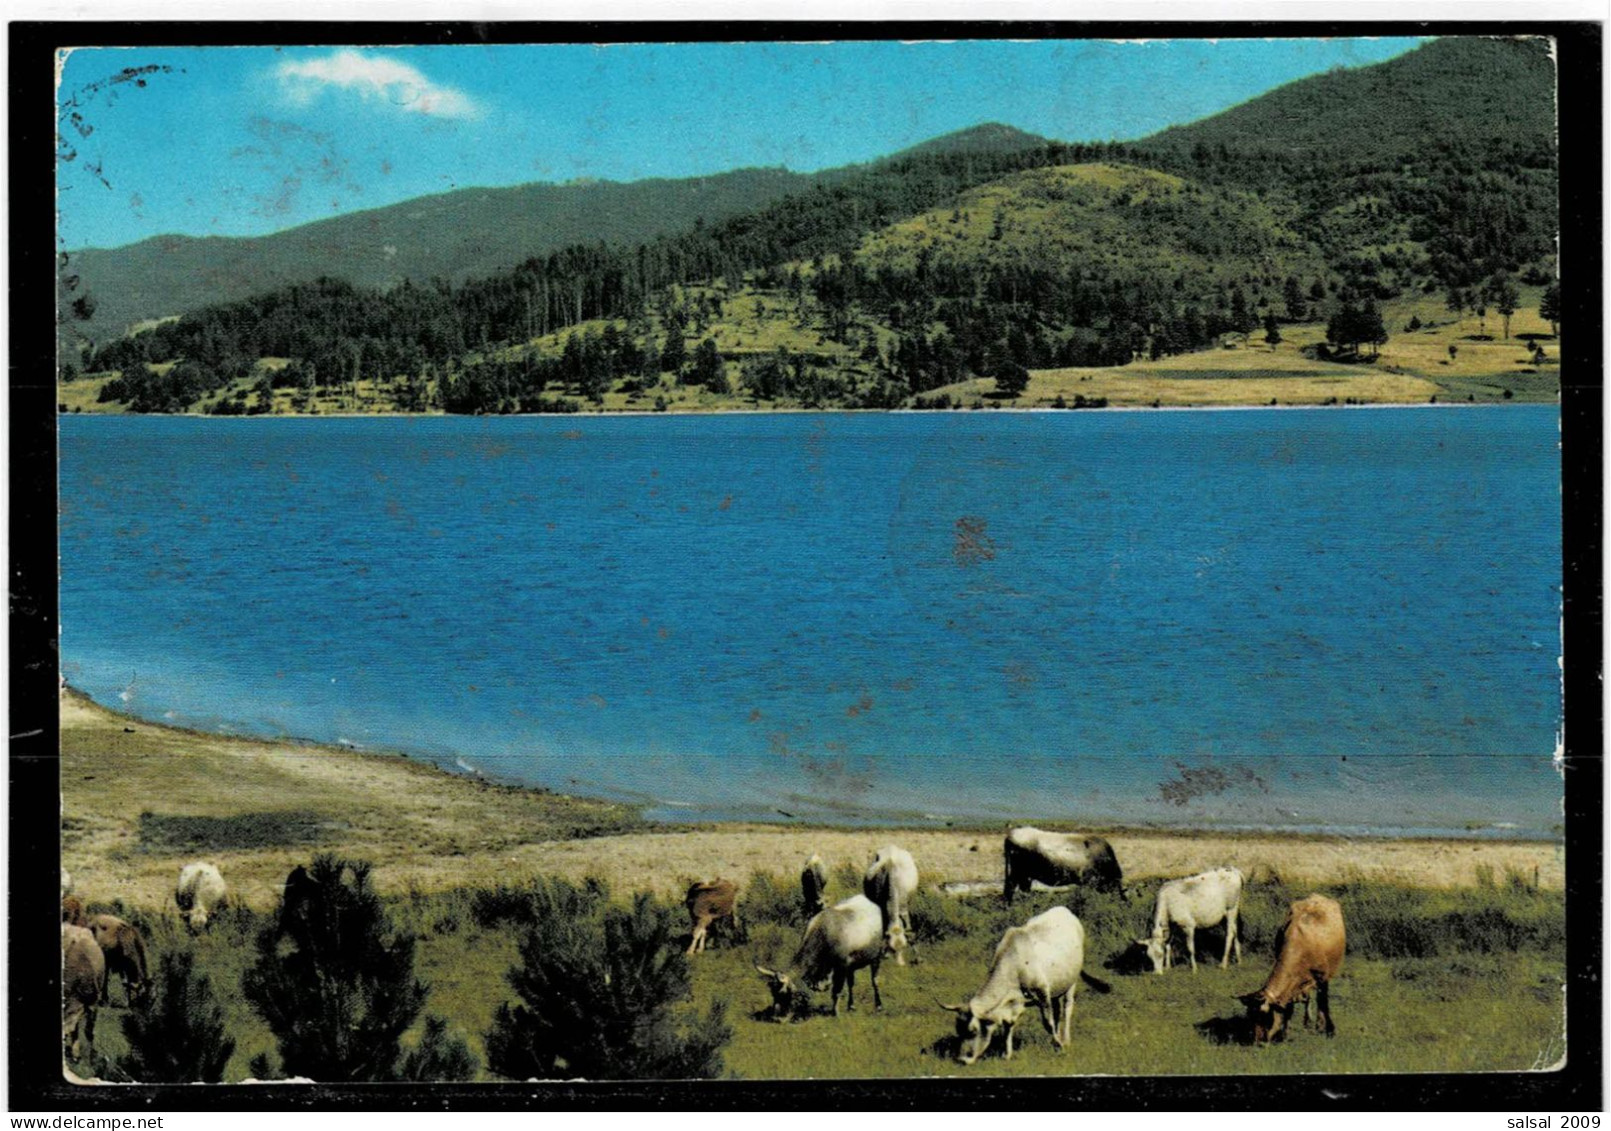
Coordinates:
x,y
765,973
952,1008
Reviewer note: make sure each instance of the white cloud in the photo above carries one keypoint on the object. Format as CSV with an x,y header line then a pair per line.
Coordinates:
x,y
374,78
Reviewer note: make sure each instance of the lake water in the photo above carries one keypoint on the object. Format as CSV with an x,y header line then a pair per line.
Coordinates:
x,y
1308,619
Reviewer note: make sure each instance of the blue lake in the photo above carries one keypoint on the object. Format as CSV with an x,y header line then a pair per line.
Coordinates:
x,y
1292,618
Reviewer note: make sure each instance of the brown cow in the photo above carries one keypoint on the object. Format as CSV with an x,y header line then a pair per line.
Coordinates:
x,y
83,983
1308,953
73,911
124,950
710,902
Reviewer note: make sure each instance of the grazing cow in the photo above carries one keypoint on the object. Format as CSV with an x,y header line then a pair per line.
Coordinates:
x,y
73,911
1204,900
1308,952
813,882
890,882
837,943
710,902
124,951
199,893
1032,855
83,983
1041,962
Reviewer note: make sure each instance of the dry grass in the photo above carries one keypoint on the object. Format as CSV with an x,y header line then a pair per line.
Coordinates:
x,y
422,826
428,830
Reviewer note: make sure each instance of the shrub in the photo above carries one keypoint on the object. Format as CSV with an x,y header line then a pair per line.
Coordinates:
x,y
767,899
601,989
179,1038
333,979
438,1056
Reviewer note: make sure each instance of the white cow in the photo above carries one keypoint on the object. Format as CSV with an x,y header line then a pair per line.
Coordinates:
x,y
837,943
1042,963
199,893
1204,900
890,882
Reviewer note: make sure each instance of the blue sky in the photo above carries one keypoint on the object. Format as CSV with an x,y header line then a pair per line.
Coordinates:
x,y
246,141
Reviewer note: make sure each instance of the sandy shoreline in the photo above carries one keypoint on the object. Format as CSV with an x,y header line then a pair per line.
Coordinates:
x,y
426,829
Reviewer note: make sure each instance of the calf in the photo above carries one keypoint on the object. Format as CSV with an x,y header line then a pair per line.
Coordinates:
x,y
710,902
124,951
1308,953
1204,900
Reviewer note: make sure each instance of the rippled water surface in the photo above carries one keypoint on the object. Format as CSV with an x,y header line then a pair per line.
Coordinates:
x,y
1303,618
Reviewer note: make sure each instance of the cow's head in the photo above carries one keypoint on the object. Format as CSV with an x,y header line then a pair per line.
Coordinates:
x,y
197,919
977,1027
1269,1019
1157,950
895,939
788,996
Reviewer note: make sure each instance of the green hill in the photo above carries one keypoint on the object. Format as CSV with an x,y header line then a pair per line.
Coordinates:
x,y
982,256
454,236
1121,220
1453,91
987,137
465,234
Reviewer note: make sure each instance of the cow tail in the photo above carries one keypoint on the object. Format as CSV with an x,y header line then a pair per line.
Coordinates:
x,y
1096,984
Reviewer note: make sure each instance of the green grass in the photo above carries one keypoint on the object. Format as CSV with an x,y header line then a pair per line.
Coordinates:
x,y
1434,980
160,832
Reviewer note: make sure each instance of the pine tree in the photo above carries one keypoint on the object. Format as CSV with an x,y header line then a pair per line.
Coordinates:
x,y
1503,294
333,979
1549,309
1011,378
179,1038
601,991
1272,330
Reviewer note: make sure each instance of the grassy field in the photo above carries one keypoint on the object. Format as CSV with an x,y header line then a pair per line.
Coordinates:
x,y
1433,981
1456,954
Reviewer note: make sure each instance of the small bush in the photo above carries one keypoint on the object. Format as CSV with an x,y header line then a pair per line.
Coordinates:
x,y
937,917
179,1038
767,899
438,1056
602,991
334,979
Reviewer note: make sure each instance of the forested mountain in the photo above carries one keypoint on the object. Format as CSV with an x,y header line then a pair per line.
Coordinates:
x,y
986,253
453,236
465,234
987,137
1451,147
1455,91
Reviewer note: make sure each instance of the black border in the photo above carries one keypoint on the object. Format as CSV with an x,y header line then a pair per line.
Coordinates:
x,y
35,1082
